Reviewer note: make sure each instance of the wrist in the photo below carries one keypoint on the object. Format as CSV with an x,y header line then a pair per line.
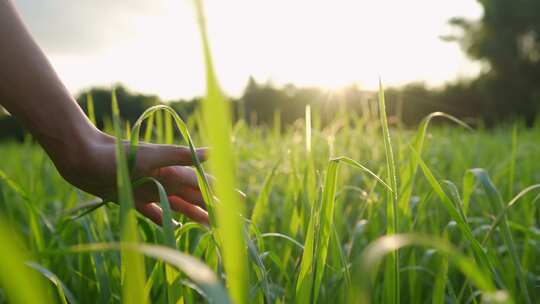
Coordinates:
x,y
71,141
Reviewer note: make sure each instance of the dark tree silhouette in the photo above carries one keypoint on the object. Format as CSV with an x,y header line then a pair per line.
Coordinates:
x,y
507,39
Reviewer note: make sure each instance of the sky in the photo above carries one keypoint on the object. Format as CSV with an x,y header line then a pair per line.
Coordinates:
x,y
154,46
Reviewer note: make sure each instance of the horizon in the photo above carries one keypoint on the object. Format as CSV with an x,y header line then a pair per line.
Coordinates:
x,y
153,48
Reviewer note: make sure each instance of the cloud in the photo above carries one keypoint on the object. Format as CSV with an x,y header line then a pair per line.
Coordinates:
x,y
83,26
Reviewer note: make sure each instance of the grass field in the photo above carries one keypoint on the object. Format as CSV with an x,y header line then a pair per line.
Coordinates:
x,y
354,212
310,238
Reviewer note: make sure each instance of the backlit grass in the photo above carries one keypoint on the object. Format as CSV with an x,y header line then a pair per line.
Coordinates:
x,y
325,208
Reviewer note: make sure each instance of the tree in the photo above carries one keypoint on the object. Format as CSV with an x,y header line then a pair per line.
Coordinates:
x,y
507,39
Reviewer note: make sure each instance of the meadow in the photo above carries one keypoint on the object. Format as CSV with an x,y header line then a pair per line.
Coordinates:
x,y
351,212
294,204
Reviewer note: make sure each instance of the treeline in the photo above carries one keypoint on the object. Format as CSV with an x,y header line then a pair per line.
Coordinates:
x,y
261,101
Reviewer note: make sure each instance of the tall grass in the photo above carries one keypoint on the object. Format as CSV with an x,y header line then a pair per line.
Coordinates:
x,y
133,272
217,118
392,268
15,277
314,226
285,262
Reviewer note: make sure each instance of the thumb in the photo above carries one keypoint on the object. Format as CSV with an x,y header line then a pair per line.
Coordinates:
x,y
152,156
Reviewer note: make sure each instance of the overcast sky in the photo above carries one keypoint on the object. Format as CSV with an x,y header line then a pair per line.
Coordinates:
x,y
153,46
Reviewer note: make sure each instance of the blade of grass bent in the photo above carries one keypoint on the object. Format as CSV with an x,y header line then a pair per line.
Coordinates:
x,y
196,270
408,174
173,291
375,252
168,231
465,229
182,128
510,204
498,206
64,293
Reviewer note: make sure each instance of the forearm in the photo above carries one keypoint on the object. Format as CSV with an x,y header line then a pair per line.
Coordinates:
x,y
31,91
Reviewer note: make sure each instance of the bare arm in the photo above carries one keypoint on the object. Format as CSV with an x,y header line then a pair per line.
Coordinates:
x,y
31,91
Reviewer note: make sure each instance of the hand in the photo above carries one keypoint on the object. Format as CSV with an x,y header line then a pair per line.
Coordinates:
x,y
91,166
84,155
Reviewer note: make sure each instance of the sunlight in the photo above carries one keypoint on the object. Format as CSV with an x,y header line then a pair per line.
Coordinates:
x,y
315,43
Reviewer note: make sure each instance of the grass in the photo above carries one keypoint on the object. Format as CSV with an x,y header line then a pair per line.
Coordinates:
x,y
325,208
462,236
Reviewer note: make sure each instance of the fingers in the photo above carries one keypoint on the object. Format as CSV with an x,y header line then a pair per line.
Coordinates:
x,y
177,175
189,194
182,182
193,212
152,156
185,197
152,212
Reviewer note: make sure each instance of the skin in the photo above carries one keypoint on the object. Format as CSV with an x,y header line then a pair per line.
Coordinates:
x,y
32,92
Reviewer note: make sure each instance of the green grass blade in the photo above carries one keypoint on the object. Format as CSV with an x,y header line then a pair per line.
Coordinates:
x,y
182,128
174,290
283,236
65,295
308,129
168,230
132,268
149,128
409,170
454,213
373,255
499,208
261,268
440,281
13,272
160,137
217,115
305,280
319,233
168,129
503,213
512,168
196,270
392,272
261,204
325,225
355,164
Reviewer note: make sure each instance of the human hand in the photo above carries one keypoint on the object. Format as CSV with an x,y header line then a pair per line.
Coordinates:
x,y
84,155
91,166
